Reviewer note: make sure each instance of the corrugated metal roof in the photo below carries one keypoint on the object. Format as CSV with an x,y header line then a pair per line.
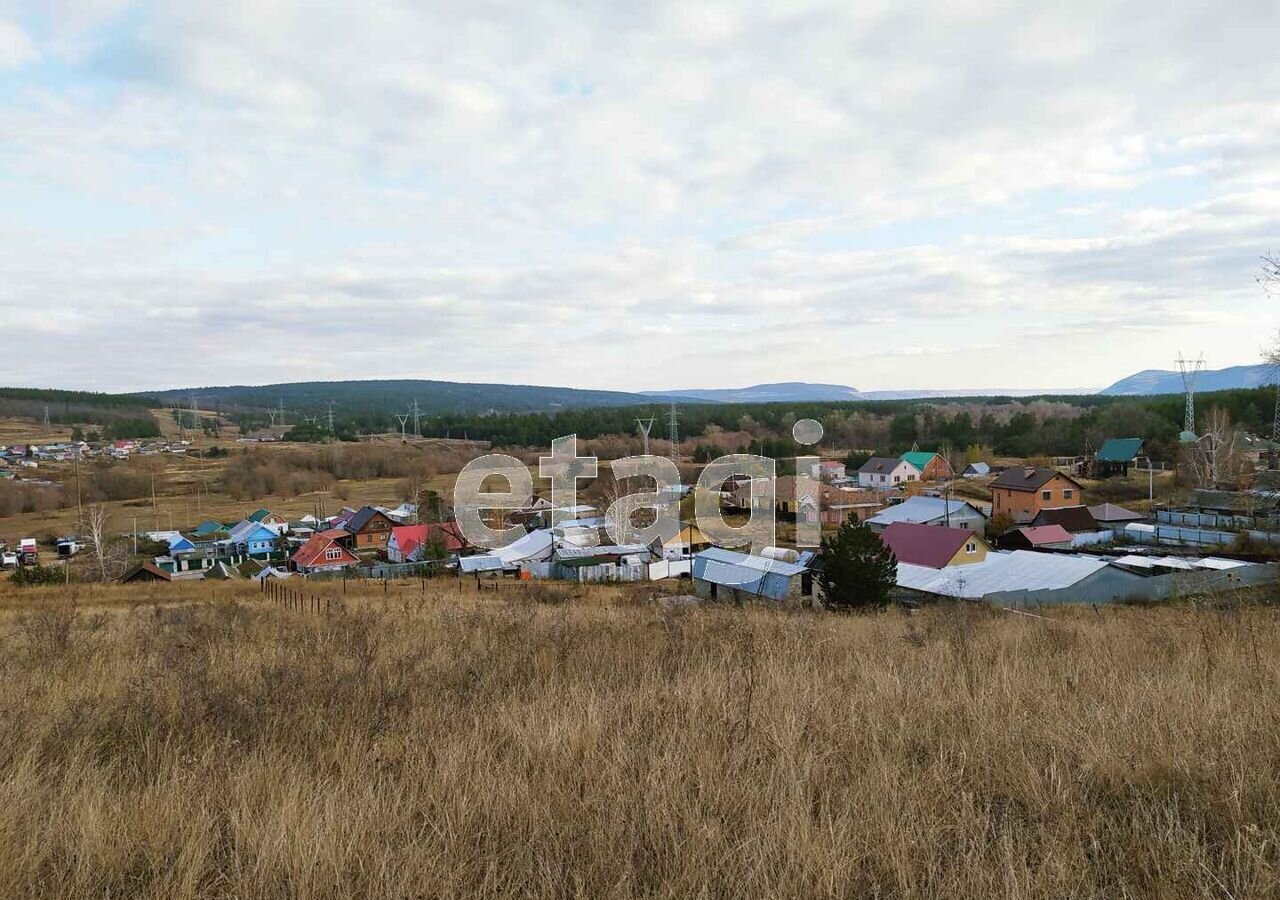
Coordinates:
x,y
1021,570
753,574
919,458
1120,450
920,510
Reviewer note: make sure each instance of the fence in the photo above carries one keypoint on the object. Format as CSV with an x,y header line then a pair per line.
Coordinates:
x,y
283,595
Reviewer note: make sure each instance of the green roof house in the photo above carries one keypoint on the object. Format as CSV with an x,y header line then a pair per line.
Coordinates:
x,y
932,466
1116,455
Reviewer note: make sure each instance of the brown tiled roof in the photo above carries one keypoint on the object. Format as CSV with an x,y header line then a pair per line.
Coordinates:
x,y
1073,518
1028,478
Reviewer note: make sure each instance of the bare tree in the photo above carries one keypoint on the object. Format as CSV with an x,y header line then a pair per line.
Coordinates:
x,y
108,554
1215,458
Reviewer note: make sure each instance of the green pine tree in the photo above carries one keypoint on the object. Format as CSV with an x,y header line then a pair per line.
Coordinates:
x,y
856,570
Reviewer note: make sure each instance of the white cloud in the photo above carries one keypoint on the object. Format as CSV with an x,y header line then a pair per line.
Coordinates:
x,y
16,49
383,190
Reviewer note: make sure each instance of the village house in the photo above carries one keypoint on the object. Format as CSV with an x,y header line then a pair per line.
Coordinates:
x,y
932,511
827,470
1021,493
411,543
371,528
253,539
934,546
1116,456
886,473
932,466
725,575
1036,537
323,554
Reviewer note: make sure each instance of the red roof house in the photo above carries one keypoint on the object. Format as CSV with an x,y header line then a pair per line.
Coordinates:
x,y
408,542
934,546
323,554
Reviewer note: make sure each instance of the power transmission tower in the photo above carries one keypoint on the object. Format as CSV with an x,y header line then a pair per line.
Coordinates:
x,y
331,417
1190,370
416,412
674,433
402,419
46,416
281,412
645,426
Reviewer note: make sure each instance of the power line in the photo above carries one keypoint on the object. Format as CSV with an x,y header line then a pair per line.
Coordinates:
x,y
645,426
1190,370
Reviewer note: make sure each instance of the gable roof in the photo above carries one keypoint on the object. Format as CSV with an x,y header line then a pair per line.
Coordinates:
x,y
1074,519
881,465
408,538
208,527
1028,478
922,510
1110,512
919,458
363,516
978,468
926,545
313,552
1040,535
146,571
752,574
1021,570
246,531
1120,450
259,514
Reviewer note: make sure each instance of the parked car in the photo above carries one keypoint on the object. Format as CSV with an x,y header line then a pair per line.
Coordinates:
x,y
8,560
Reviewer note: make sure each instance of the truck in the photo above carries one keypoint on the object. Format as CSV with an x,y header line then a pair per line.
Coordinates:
x,y
28,552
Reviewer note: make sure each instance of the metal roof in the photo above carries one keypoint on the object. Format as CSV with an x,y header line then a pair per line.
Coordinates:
x,y
1120,450
919,458
1021,570
921,510
752,574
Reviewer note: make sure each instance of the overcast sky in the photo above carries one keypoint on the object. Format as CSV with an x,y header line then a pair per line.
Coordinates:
x,y
634,195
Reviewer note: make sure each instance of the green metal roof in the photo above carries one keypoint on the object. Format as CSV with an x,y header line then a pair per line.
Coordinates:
x,y
259,515
1120,450
919,458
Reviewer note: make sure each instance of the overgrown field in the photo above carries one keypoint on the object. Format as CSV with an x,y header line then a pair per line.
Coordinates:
x,y
533,744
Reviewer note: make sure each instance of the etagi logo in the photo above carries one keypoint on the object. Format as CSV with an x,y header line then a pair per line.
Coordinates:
x,y
564,469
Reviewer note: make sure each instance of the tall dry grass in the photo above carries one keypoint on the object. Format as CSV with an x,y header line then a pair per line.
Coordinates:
x,y
497,746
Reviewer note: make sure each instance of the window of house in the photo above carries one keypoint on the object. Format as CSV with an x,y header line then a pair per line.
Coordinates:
x,y
897,478
1046,495
333,553
1066,495
971,547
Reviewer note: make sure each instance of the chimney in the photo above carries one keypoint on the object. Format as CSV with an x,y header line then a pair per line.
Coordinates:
x,y
1028,471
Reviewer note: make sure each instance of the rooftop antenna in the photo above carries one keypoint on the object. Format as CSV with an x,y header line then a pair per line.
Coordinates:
x,y
1190,370
674,434
402,419
645,426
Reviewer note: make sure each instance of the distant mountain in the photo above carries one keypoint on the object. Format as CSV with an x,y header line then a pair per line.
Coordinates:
x,y
783,392
801,392
1160,381
434,398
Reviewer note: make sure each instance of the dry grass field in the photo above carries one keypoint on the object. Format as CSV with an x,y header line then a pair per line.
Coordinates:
x,y
544,741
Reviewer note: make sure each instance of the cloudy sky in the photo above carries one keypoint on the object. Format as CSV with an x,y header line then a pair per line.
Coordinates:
x,y
634,195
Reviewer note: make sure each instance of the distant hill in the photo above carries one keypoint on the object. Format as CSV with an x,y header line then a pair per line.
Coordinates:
x,y
1160,381
805,392
783,392
361,398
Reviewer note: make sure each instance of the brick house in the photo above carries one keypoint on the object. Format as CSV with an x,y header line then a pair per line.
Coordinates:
x,y
1021,493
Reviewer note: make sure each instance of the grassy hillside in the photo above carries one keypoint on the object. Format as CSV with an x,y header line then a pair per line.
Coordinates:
x,y
124,415
539,743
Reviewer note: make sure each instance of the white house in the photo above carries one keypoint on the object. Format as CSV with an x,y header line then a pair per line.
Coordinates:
x,y
885,473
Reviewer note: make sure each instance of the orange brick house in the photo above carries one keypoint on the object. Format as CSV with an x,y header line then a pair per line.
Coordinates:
x,y
1021,493
932,466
